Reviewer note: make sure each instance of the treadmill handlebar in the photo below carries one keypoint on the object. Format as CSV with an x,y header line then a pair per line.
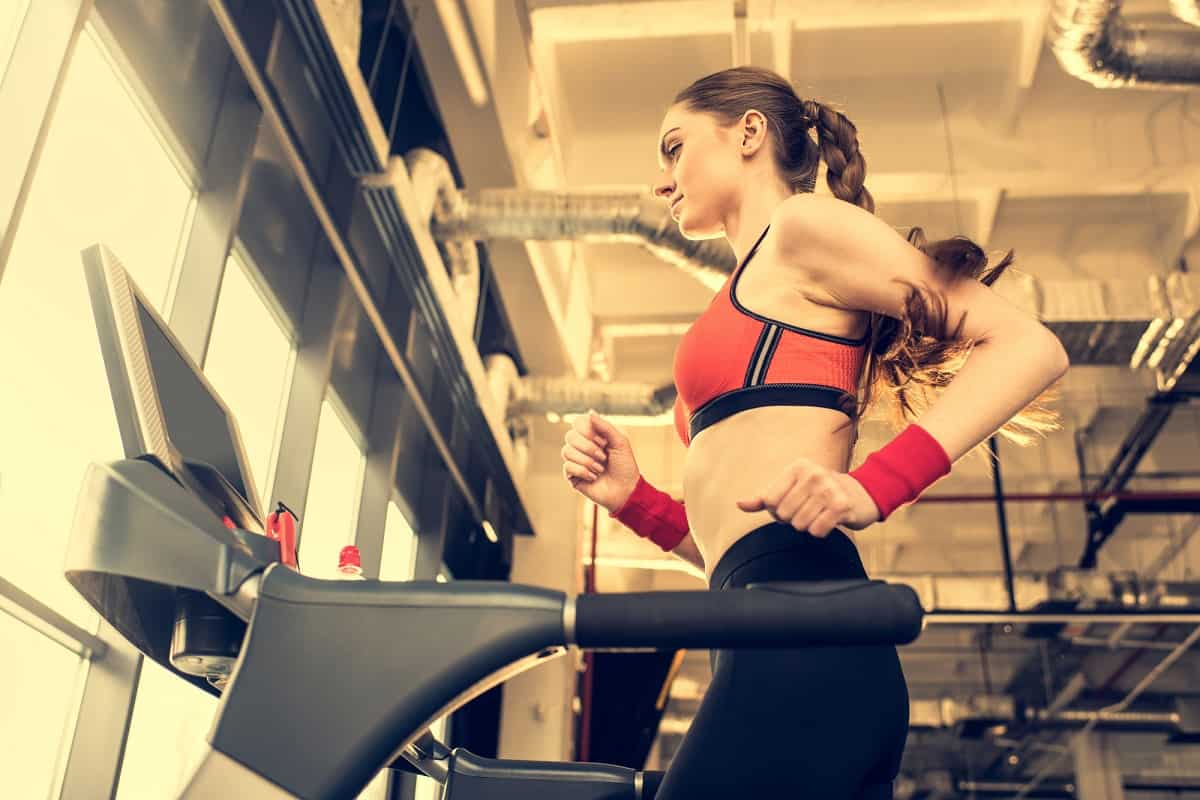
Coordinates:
x,y
776,614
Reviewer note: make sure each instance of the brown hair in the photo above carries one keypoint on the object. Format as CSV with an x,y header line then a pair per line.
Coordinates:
x,y
910,358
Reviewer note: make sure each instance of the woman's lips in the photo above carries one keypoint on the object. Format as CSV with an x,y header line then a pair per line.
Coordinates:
x,y
675,206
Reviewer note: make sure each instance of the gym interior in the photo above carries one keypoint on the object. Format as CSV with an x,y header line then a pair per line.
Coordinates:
x,y
395,247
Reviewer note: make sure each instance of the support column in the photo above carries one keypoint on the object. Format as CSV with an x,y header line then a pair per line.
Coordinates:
x,y
1097,766
537,720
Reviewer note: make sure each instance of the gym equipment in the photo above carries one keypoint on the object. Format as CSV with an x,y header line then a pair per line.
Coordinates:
x,y
326,682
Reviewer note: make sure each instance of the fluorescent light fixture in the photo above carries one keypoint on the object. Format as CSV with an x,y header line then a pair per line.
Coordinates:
x,y
464,53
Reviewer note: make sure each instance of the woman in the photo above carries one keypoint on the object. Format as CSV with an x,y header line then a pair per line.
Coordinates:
x,y
827,303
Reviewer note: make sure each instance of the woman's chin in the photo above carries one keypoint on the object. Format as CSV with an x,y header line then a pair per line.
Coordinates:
x,y
691,230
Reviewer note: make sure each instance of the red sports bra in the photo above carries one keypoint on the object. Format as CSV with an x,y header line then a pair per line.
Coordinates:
x,y
731,360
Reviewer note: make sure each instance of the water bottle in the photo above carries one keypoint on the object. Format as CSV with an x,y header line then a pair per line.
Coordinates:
x,y
350,564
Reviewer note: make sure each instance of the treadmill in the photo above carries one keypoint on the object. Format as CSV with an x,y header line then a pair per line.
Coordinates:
x,y
323,683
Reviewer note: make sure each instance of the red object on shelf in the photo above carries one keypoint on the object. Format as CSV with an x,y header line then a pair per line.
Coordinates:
x,y
229,523
281,526
350,557
350,563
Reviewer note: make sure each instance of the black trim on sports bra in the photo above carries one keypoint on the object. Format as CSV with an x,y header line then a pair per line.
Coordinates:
x,y
829,337
772,394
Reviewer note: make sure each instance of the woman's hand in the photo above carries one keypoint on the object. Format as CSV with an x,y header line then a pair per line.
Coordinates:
x,y
598,461
813,498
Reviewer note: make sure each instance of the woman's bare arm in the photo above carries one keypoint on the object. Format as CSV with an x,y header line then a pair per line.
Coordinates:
x,y
688,551
855,257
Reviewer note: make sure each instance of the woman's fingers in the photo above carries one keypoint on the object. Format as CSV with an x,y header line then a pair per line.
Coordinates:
x,y
575,456
825,522
582,443
573,470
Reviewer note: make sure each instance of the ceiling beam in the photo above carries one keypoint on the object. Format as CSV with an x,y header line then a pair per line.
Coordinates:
x,y
603,21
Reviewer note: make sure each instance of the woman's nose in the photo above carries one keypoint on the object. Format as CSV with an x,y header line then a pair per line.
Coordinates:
x,y
663,190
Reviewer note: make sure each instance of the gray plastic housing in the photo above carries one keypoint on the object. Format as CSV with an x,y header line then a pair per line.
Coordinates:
x,y
137,535
335,677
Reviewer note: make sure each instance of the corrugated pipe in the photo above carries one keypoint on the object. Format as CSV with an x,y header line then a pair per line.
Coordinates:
x,y
632,217
515,396
1094,43
1004,710
436,194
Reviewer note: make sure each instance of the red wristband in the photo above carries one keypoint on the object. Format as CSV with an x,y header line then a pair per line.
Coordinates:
x,y
899,471
653,515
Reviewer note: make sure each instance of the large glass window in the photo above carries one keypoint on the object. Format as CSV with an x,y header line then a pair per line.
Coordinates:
x,y
105,177
167,734
399,547
40,682
248,362
334,488
12,14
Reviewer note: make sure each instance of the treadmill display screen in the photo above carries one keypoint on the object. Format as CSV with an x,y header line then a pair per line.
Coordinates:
x,y
196,422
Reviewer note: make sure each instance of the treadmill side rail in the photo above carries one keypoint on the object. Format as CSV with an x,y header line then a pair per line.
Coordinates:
x,y
335,678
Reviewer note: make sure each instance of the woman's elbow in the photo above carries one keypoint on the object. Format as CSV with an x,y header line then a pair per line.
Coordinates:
x,y
1051,350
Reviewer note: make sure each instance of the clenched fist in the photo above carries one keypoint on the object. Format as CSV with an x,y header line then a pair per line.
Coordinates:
x,y
598,461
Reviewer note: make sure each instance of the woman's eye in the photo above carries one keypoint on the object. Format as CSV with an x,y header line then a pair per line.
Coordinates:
x,y
673,150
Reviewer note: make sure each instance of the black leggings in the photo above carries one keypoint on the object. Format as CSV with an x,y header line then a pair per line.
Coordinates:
x,y
819,723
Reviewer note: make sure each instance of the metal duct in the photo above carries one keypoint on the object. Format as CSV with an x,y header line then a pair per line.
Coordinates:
x,y
990,710
1187,10
436,195
1095,44
633,217
571,396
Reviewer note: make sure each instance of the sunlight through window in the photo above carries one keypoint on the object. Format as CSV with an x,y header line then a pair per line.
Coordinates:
x,y
248,362
41,682
334,487
167,735
12,14
399,547
103,176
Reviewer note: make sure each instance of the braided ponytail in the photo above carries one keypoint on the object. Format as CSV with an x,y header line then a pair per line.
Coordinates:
x,y
846,169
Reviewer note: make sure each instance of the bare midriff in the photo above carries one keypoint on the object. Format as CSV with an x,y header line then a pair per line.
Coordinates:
x,y
745,454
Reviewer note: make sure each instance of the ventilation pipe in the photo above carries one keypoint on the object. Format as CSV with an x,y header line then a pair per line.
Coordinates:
x,y
977,714
1095,44
436,194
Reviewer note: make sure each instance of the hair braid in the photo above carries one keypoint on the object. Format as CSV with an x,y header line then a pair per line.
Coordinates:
x,y
846,169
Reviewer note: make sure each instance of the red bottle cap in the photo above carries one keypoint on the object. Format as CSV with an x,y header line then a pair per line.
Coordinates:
x,y
350,557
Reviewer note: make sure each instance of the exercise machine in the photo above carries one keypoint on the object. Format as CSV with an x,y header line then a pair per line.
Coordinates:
x,y
323,682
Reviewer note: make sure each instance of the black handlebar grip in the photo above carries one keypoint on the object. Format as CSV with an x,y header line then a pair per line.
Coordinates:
x,y
776,614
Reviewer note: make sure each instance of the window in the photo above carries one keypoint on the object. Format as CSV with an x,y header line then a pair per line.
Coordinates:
x,y
334,488
399,557
40,683
249,359
12,14
103,176
167,735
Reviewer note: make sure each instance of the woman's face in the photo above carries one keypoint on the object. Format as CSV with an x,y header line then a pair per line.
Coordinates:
x,y
701,164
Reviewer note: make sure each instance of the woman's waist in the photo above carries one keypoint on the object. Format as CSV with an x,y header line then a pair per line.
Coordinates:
x,y
731,461
777,552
